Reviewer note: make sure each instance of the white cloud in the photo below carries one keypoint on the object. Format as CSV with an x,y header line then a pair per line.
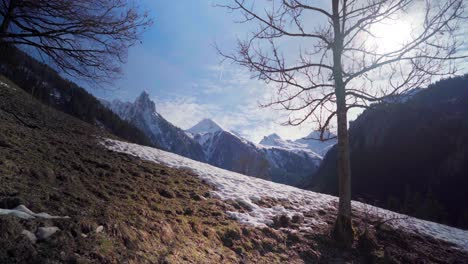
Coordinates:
x,y
246,117
185,112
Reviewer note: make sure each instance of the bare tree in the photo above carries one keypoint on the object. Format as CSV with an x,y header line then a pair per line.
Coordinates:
x,y
339,63
86,38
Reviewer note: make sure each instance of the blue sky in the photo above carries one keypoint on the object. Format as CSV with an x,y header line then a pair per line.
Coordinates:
x,y
179,67
181,70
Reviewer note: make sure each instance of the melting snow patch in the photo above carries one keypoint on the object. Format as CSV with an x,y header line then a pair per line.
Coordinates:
x,y
45,232
30,235
23,212
3,84
247,190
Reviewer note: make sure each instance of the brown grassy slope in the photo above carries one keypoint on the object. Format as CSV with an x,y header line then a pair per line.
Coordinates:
x,y
151,213
52,162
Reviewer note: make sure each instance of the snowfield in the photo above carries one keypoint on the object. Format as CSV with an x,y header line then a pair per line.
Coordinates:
x,y
23,212
246,190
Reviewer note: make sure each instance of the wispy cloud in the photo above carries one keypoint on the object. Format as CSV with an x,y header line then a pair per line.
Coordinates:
x,y
242,114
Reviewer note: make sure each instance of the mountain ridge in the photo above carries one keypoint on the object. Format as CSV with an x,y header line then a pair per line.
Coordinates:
x,y
142,113
218,146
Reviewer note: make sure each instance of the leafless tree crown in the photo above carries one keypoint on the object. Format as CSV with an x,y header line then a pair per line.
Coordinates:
x,y
86,38
305,80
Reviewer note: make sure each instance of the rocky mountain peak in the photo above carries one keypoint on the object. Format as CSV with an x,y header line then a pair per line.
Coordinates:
x,y
144,103
271,140
205,126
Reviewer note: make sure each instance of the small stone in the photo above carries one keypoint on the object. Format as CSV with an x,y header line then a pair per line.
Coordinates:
x,y
45,232
29,235
99,229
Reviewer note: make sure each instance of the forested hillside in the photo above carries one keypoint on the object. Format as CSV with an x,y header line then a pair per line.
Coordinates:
x,y
411,157
49,87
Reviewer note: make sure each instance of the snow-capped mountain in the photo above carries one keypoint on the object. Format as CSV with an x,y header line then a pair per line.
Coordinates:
x,y
205,126
310,144
227,150
209,142
275,141
313,142
230,151
142,113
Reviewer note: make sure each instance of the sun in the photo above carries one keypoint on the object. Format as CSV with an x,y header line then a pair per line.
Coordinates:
x,y
390,35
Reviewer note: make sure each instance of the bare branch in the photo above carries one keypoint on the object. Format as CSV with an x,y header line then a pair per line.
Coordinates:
x,y
88,39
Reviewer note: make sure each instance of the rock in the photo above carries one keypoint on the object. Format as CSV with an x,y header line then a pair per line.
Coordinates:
x,y
45,232
31,236
99,229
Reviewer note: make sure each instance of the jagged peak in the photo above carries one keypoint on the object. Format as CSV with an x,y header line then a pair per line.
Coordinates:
x,y
206,125
272,136
143,102
272,140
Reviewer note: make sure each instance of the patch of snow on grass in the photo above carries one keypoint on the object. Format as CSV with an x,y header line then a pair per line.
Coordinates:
x,y
23,212
247,190
4,84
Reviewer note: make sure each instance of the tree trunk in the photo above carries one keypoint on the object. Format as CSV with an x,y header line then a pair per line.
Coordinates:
x,y
343,231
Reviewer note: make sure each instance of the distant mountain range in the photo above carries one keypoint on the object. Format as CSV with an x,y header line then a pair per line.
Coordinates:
x,y
278,160
310,144
139,122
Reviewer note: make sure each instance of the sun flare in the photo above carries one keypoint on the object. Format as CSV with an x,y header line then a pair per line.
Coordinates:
x,y
389,35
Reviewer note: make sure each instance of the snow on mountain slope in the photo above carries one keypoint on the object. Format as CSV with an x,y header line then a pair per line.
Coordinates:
x,y
209,142
142,113
313,143
205,126
276,141
248,190
231,151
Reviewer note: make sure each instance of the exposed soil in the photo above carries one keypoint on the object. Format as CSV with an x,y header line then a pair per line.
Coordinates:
x,y
150,213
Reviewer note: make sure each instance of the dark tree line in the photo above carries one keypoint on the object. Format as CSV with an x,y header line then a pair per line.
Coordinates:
x,y
49,87
410,157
